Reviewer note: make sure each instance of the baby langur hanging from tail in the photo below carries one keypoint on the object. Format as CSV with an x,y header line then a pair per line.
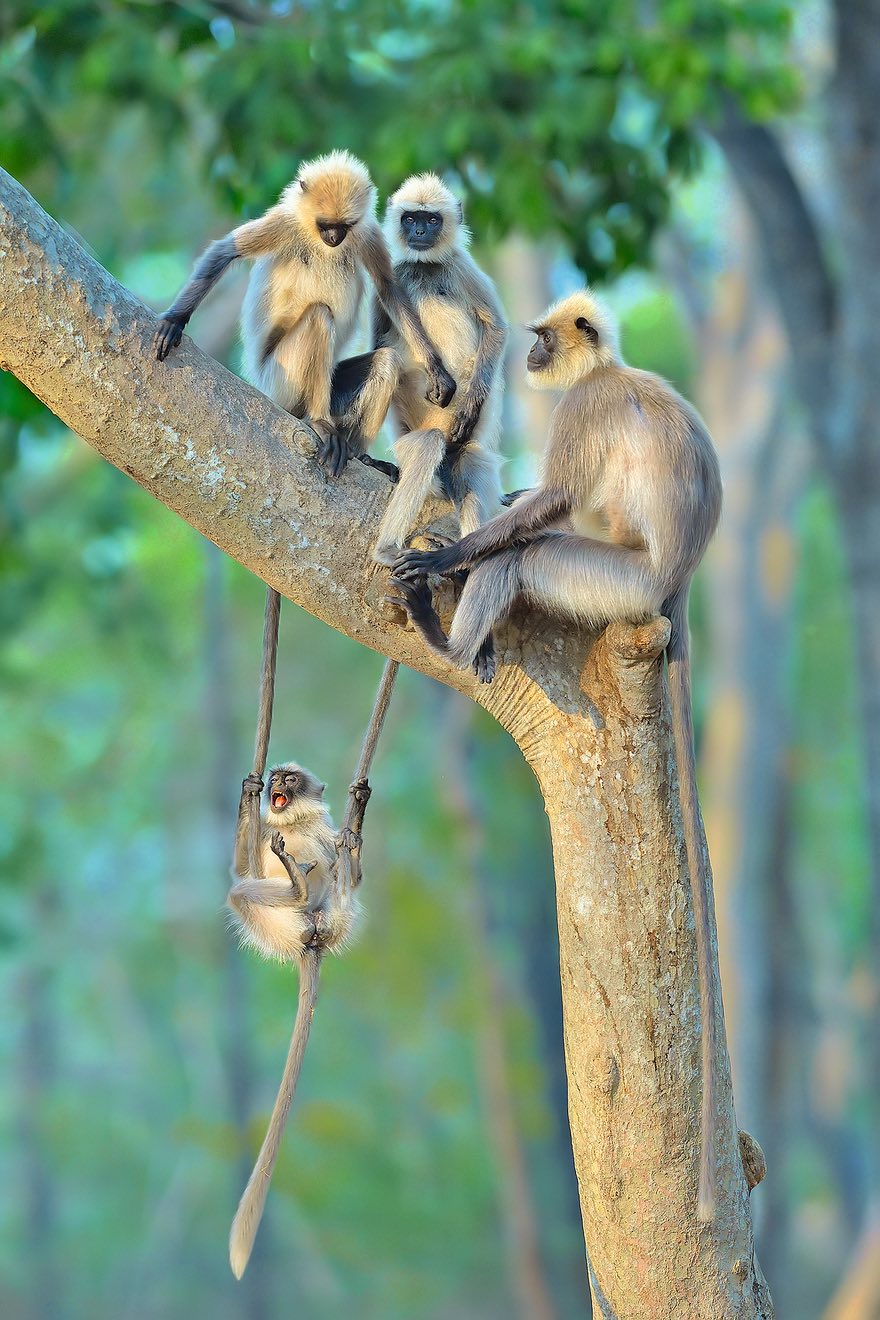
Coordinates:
x,y
311,252
453,452
296,911
631,465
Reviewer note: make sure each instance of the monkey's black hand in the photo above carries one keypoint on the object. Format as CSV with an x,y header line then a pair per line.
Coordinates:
x,y
168,335
465,423
252,786
441,386
332,451
411,564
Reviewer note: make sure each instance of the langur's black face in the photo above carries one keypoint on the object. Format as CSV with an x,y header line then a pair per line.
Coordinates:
x,y
543,349
333,232
287,784
421,229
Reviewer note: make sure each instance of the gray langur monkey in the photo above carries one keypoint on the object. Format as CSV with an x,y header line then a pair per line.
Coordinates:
x,y
453,452
312,251
296,911
631,465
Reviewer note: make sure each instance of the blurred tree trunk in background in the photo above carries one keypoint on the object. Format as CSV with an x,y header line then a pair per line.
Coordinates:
x,y
828,289
38,1082
745,752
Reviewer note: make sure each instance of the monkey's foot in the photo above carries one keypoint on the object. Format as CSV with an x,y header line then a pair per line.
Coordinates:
x,y
391,470
332,452
276,843
485,664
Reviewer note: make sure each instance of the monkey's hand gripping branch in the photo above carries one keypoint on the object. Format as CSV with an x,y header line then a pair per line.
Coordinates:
x,y
349,840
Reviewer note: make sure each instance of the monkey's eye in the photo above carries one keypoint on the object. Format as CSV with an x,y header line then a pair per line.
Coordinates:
x,y
546,337
434,219
408,217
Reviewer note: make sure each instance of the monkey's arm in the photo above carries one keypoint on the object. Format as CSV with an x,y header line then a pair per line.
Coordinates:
x,y
531,514
252,786
298,871
381,325
253,239
492,341
396,303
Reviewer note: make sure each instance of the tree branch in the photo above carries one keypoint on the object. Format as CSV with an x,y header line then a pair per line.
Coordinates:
x,y
793,253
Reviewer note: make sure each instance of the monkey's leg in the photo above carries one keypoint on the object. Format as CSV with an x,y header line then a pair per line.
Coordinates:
x,y
491,588
296,374
419,455
591,581
476,487
361,395
414,596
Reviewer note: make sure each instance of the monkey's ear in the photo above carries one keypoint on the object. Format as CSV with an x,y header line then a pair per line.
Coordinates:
x,y
303,185
589,330
460,214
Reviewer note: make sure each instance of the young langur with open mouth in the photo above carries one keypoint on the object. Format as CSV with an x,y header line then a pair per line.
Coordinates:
x,y
311,253
453,452
628,454
296,911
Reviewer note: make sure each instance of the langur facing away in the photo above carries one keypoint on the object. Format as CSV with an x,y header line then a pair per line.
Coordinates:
x,y
312,251
453,452
628,455
295,911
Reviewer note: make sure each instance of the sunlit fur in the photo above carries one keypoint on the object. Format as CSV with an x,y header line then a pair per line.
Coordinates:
x,y
425,192
579,355
459,307
334,188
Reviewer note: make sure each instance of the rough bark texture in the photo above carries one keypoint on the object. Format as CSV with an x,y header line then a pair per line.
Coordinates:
x,y
589,715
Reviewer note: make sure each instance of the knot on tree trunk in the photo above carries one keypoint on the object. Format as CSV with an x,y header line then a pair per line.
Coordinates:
x,y
625,662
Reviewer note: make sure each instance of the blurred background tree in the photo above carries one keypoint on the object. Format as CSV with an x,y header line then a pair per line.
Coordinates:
x,y
428,1171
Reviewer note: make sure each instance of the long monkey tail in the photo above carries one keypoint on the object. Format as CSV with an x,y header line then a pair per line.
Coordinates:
x,y
250,1207
678,659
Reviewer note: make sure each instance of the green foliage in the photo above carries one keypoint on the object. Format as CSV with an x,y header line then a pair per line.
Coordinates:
x,y
572,116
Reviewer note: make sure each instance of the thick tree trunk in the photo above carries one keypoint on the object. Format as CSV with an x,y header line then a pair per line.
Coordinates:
x,y
588,714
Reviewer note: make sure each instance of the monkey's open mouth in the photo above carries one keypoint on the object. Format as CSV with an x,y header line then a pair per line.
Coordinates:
x,y
279,801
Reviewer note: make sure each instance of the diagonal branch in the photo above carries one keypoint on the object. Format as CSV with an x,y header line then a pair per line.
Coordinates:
x,y
793,252
210,447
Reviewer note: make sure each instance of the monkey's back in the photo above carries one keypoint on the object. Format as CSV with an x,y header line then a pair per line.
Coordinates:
x,y
629,450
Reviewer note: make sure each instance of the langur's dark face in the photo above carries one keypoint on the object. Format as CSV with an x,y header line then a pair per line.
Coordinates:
x,y
543,349
287,784
333,232
421,229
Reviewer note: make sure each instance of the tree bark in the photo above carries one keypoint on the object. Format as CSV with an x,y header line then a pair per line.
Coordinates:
x,y
589,714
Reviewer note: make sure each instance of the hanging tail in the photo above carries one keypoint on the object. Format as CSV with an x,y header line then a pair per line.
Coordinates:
x,y
250,1207
678,659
